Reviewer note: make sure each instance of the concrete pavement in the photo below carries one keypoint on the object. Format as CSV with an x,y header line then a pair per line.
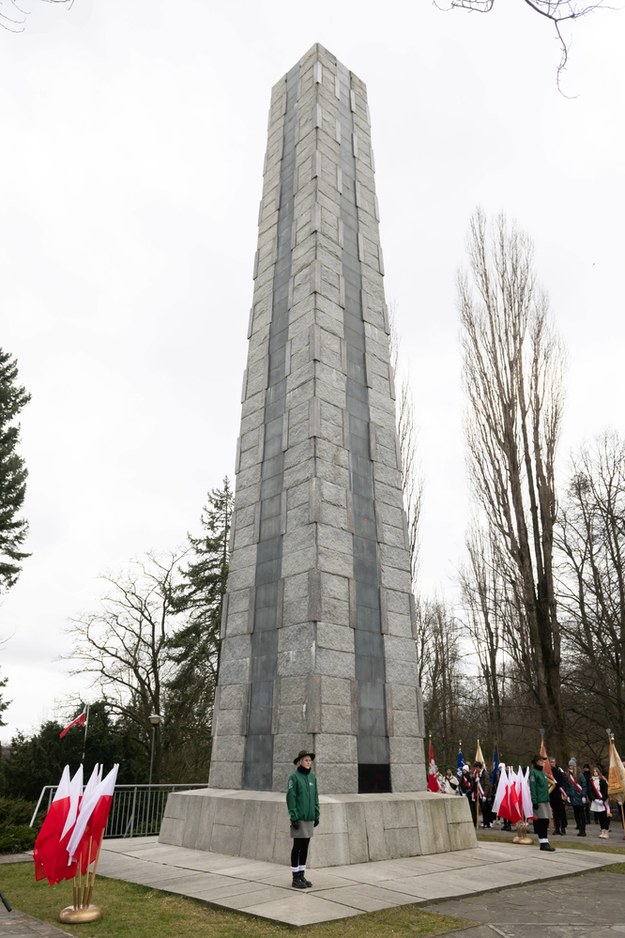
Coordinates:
x,y
587,905
511,890
263,889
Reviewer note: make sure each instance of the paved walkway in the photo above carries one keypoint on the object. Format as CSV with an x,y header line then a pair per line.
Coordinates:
x,y
263,889
526,890
586,906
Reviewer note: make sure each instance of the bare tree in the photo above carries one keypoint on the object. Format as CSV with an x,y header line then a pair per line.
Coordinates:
x,y
485,602
124,644
412,479
591,536
441,674
559,12
512,369
14,15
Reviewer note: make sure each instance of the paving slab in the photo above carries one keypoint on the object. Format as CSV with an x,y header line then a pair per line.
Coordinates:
x,y
263,889
590,904
16,924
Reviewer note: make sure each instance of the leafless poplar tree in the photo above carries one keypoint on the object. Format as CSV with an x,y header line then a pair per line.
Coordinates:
x,y
412,479
486,614
440,672
591,536
512,369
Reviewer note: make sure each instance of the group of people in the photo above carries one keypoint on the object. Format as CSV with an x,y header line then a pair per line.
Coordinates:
x,y
585,790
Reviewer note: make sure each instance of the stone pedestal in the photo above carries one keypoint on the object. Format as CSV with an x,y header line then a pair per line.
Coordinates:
x,y
353,828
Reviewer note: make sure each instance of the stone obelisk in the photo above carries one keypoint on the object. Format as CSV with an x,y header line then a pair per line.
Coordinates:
x,y
318,644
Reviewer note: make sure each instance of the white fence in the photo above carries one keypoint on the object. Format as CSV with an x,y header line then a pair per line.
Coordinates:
x,y
136,811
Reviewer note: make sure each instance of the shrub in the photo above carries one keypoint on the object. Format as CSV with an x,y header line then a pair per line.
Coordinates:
x,y
15,838
15,811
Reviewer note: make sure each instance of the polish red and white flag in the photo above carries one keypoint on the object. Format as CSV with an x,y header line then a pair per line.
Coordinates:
x,y
46,849
80,720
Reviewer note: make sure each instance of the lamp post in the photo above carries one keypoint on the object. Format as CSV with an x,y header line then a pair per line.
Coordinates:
x,y
155,721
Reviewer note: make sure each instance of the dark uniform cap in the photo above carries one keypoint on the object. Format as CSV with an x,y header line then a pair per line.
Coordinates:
x,y
301,754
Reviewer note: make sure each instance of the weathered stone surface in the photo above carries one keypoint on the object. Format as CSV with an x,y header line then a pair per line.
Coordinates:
x,y
353,828
318,625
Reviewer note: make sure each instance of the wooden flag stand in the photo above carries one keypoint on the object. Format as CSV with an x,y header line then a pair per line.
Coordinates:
x,y
82,889
521,834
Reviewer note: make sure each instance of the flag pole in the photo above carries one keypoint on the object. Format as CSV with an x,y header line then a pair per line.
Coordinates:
x,y
84,739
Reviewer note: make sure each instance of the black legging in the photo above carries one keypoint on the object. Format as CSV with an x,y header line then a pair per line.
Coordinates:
x,y
579,811
604,820
299,853
541,826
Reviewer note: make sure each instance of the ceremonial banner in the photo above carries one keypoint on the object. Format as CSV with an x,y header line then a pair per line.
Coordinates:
x,y
432,771
616,774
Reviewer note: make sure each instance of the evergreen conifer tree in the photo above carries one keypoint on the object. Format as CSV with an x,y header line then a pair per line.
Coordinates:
x,y
13,473
195,647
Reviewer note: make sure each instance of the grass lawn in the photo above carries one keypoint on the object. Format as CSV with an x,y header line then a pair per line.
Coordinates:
x,y
138,912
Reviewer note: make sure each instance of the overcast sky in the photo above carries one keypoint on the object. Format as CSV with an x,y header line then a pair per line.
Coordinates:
x,y
133,138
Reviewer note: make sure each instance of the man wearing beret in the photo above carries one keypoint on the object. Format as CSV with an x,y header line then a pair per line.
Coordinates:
x,y
302,800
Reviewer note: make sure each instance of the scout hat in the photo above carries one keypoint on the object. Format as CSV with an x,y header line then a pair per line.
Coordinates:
x,y
301,754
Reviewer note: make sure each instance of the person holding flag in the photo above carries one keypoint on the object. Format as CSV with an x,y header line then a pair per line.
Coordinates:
x,y
467,788
449,783
616,779
558,796
460,764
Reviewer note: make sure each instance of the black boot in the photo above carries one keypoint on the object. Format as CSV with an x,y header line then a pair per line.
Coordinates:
x,y
298,882
307,883
548,847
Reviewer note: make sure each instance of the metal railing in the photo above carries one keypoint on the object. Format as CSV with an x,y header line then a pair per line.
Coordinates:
x,y
136,811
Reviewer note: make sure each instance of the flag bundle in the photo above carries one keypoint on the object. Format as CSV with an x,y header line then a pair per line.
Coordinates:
x,y
433,784
513,801
71,834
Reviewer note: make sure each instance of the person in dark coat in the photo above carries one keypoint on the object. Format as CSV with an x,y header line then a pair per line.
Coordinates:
x,y
302,800
587,774
467,787
539,789
577,794
557,798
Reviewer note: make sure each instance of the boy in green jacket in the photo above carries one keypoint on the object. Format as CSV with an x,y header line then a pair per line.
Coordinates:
x,y
302,800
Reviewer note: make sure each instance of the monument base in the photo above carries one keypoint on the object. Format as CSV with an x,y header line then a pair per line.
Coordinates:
x,y
353,828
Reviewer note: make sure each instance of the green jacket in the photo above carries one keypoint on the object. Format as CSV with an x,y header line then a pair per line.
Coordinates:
x,y
302,798
539,786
